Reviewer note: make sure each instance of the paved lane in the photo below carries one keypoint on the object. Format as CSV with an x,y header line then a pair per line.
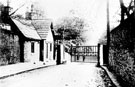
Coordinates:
x,y
70,75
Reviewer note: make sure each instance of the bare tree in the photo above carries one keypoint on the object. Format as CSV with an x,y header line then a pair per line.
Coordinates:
x,y
36,12
126,10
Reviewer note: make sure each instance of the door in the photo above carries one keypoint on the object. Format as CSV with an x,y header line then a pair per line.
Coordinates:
x,y
42,50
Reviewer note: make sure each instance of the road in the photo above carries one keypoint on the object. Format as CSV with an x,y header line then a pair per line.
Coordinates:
x,y
68,75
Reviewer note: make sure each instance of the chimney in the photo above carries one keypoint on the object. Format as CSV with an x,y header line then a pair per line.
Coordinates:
x,y
29,14
6,10
5,13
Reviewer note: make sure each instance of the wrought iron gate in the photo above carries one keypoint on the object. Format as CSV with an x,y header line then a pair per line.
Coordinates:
x,y
84,54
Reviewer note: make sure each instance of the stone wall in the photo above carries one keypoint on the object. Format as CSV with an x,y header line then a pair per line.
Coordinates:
x,y
122,51
9,48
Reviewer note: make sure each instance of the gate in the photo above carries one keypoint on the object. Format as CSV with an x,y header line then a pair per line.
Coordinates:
x,y
84,54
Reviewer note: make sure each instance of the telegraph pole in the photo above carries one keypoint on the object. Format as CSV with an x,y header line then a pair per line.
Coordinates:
x,y
108,33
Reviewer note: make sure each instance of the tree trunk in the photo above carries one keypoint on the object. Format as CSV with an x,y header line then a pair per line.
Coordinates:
x,y
122,10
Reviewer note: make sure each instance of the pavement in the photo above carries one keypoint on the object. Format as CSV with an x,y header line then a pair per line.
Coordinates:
x,y
14,69
111,76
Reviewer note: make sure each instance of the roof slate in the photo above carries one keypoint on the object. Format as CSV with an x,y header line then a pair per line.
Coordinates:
x,y
42,27
27,29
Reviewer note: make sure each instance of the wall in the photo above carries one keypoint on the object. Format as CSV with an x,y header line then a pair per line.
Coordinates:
x,y
49,41
28,55
101,55
67,57
122,52
48,52
62,53
9,48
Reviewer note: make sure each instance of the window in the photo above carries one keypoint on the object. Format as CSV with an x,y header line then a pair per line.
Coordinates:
x,y
32,47
46,50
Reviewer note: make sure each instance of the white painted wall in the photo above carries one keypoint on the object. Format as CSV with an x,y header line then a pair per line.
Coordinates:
x,y
49,40
28,55
67,57
101,54
62,53
50,52
50,37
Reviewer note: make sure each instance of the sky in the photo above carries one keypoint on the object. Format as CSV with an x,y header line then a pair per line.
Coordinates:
x,y
93,11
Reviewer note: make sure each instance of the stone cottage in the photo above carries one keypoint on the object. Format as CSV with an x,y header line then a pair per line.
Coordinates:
x,y
9,45
9,40
29,40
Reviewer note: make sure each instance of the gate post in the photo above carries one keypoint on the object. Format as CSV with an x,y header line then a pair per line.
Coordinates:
x,y
58,55
71,53
105,55
98,56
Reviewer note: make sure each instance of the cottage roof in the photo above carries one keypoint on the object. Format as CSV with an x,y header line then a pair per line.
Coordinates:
x,y
43,27
27,29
